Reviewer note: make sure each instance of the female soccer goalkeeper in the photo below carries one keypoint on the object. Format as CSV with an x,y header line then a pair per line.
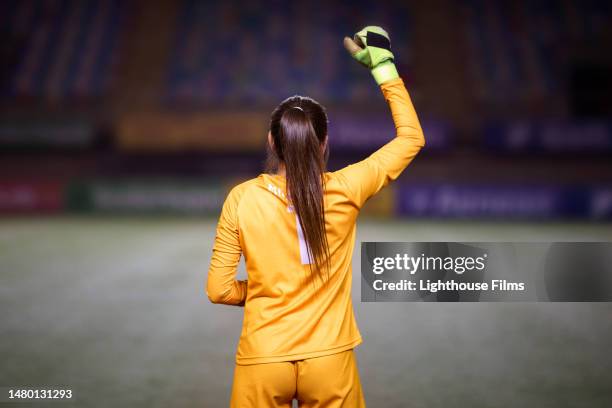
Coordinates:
x,y
295,227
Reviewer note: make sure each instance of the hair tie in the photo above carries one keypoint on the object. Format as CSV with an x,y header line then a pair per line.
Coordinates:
x,y
297,107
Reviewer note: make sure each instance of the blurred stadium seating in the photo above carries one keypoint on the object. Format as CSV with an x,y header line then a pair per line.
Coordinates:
x,y
100,97
233,52
521,52
59,50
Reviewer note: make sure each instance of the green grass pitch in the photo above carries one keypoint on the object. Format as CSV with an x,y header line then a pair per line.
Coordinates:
x,y
114,308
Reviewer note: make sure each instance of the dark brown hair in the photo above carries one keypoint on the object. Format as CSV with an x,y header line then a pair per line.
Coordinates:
x,y
299,130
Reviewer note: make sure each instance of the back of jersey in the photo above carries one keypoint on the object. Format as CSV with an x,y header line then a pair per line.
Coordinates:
x,y
290,310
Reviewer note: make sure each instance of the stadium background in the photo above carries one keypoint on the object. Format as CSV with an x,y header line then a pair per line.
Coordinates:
x,y
124,123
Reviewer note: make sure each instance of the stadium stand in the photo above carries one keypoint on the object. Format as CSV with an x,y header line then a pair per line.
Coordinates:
x,y
275,52
520,52
182,90
60,49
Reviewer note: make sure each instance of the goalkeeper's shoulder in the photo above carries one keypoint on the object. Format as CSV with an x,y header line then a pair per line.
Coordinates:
x,y
236,193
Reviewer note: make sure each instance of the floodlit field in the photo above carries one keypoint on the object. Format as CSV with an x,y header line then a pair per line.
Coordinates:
x,y
115,309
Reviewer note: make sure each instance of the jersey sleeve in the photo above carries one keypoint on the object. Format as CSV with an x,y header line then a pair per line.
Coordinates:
x,y
369,176
222,286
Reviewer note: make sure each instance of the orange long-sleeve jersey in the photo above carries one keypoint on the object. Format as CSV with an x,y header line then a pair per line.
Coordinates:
x,y
288,314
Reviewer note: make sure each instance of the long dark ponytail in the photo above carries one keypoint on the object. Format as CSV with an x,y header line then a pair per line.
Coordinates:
x,y
299,131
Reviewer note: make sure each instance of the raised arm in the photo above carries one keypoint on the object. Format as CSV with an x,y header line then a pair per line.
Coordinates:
x,y
222,286
369,176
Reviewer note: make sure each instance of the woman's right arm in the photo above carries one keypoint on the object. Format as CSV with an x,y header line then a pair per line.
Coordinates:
x,y
222,286
368,177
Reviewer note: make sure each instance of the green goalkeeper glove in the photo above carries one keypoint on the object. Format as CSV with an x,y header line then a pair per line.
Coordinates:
x,y
371,47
